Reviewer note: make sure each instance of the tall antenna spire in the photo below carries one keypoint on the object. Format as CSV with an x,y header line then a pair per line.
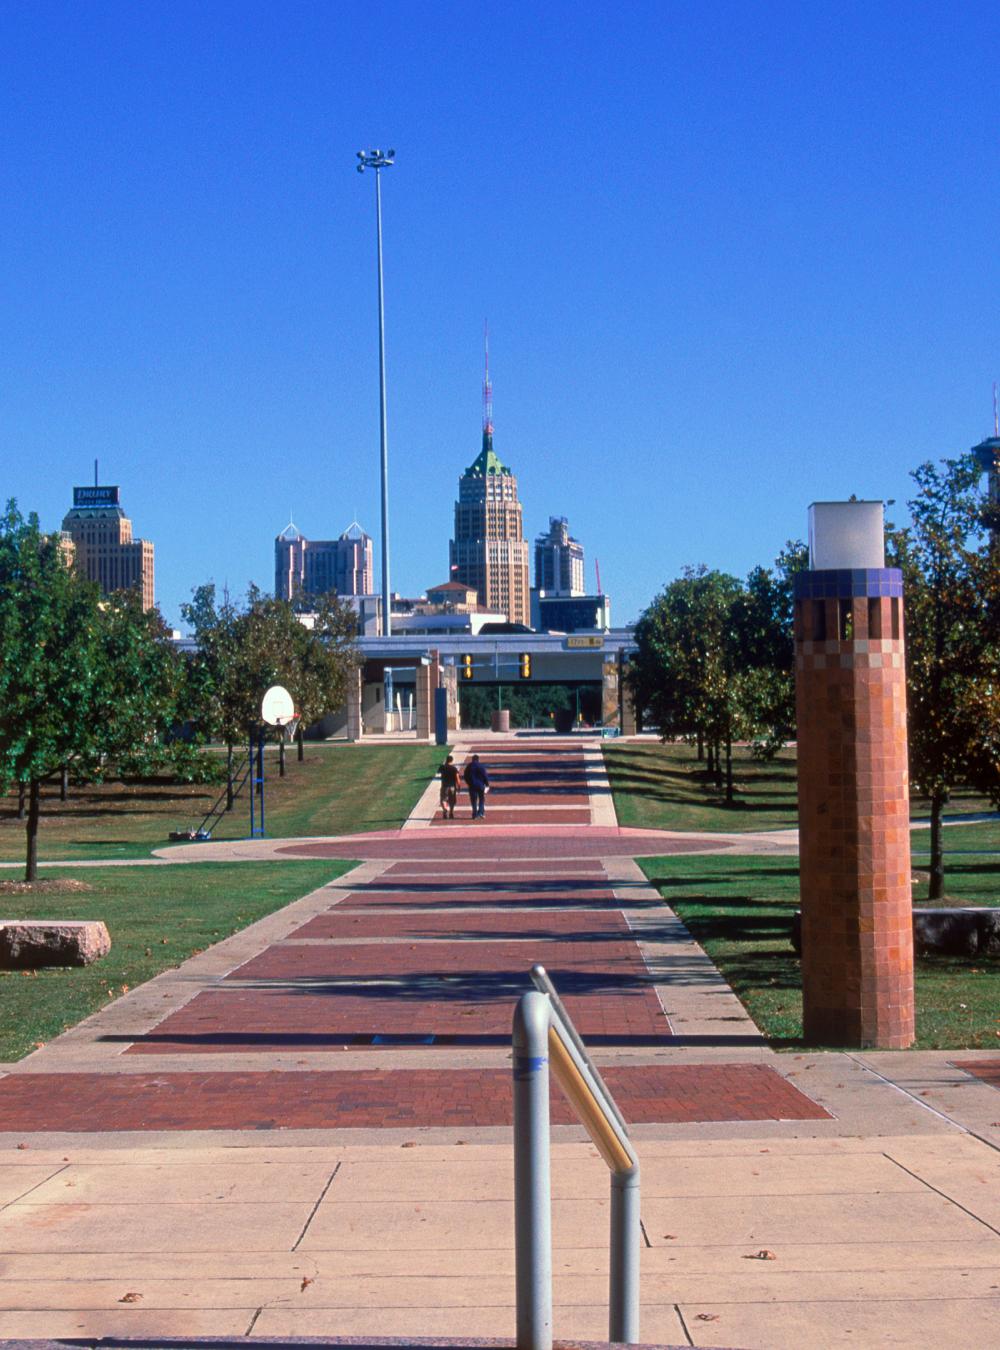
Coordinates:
x,y
996,414
487,386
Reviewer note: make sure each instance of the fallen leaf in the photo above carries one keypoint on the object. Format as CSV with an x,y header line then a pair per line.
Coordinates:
x,y
708,1317
410,1143
130,1297
669,1237
306,1282
762,1255
22,1145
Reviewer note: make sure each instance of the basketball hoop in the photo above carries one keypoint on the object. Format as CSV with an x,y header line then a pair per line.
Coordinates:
x,y
288,728
278,710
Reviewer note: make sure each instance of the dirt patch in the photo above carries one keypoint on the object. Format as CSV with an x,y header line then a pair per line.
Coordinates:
x,y
54,886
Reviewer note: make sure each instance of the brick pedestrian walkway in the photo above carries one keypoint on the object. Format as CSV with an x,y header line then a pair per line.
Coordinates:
x,y
306,1129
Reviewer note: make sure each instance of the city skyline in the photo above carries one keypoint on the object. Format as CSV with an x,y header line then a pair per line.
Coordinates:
x,y
707,308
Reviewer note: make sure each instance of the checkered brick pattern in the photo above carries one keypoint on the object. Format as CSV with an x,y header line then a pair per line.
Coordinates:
x,y
857,945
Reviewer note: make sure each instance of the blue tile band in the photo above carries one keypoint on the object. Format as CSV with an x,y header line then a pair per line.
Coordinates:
x,y
848,584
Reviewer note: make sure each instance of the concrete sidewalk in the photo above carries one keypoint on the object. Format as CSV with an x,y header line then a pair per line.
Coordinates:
x,y
304,1131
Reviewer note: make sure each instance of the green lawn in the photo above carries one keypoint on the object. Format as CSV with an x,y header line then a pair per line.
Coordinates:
x,y
740,910
157,917
664,787
338,789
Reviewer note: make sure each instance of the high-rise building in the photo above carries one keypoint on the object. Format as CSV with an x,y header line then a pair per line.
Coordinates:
x,y
310,567
103,547
558,560
489,552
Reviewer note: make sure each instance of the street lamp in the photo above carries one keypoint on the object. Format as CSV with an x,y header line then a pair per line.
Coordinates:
x,y
375,159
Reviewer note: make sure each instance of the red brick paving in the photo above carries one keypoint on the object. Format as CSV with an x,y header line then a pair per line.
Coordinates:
x,y
373,1098
485,841
413,927
520,796
477,1008
404,987
986,1069
553,815
609,960
441,897
563,868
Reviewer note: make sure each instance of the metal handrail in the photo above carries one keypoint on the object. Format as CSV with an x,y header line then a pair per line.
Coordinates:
x,y
543,1035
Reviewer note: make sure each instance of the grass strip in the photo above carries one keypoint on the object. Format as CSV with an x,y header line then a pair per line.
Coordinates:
x,y
666,787
337,789
157,918
740,910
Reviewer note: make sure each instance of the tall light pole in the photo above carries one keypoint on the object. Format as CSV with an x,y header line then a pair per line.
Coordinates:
x,y
375,159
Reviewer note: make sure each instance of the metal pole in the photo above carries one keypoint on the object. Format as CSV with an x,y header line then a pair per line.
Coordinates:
x,y
532,1193
623,1285
386,613
252,771
260,750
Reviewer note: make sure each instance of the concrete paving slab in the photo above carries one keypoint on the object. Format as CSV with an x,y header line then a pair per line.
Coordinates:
x,y
130,1321
770,1221
177,1227
180,1181
199,1292
946,1324
445,1225
771,1174
581,1322
20,1179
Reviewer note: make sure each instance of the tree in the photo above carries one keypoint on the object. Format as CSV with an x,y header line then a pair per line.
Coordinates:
x,y
686,670
714,661
49,663
951,600
326,657
138,692
217,698
242,652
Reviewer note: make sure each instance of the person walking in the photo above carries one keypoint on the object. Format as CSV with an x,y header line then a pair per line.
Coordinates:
x,y
450,786
477,780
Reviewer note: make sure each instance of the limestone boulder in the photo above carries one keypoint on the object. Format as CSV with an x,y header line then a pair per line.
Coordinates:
x,y
33,943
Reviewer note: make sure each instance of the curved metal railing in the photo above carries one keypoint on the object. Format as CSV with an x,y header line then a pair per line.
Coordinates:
x,y
545,1037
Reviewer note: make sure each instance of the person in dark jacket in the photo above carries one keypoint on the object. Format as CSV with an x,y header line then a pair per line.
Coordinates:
x,y
477,780
450,785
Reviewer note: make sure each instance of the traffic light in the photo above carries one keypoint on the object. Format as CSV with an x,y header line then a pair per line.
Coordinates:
x,y
526,665
466,661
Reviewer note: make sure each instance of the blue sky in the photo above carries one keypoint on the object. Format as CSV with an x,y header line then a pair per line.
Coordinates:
x,y
734,258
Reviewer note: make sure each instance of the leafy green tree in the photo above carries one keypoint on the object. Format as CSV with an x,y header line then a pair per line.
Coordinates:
x,y
715,660
326,656
686,671
87,683
138,692
951,600
50,664
243,651
217,698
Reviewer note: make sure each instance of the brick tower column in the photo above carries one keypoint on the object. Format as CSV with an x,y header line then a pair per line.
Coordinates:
x,y
854,838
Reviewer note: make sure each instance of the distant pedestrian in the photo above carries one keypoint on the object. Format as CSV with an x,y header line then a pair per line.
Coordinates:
x,y
450,785
477,780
